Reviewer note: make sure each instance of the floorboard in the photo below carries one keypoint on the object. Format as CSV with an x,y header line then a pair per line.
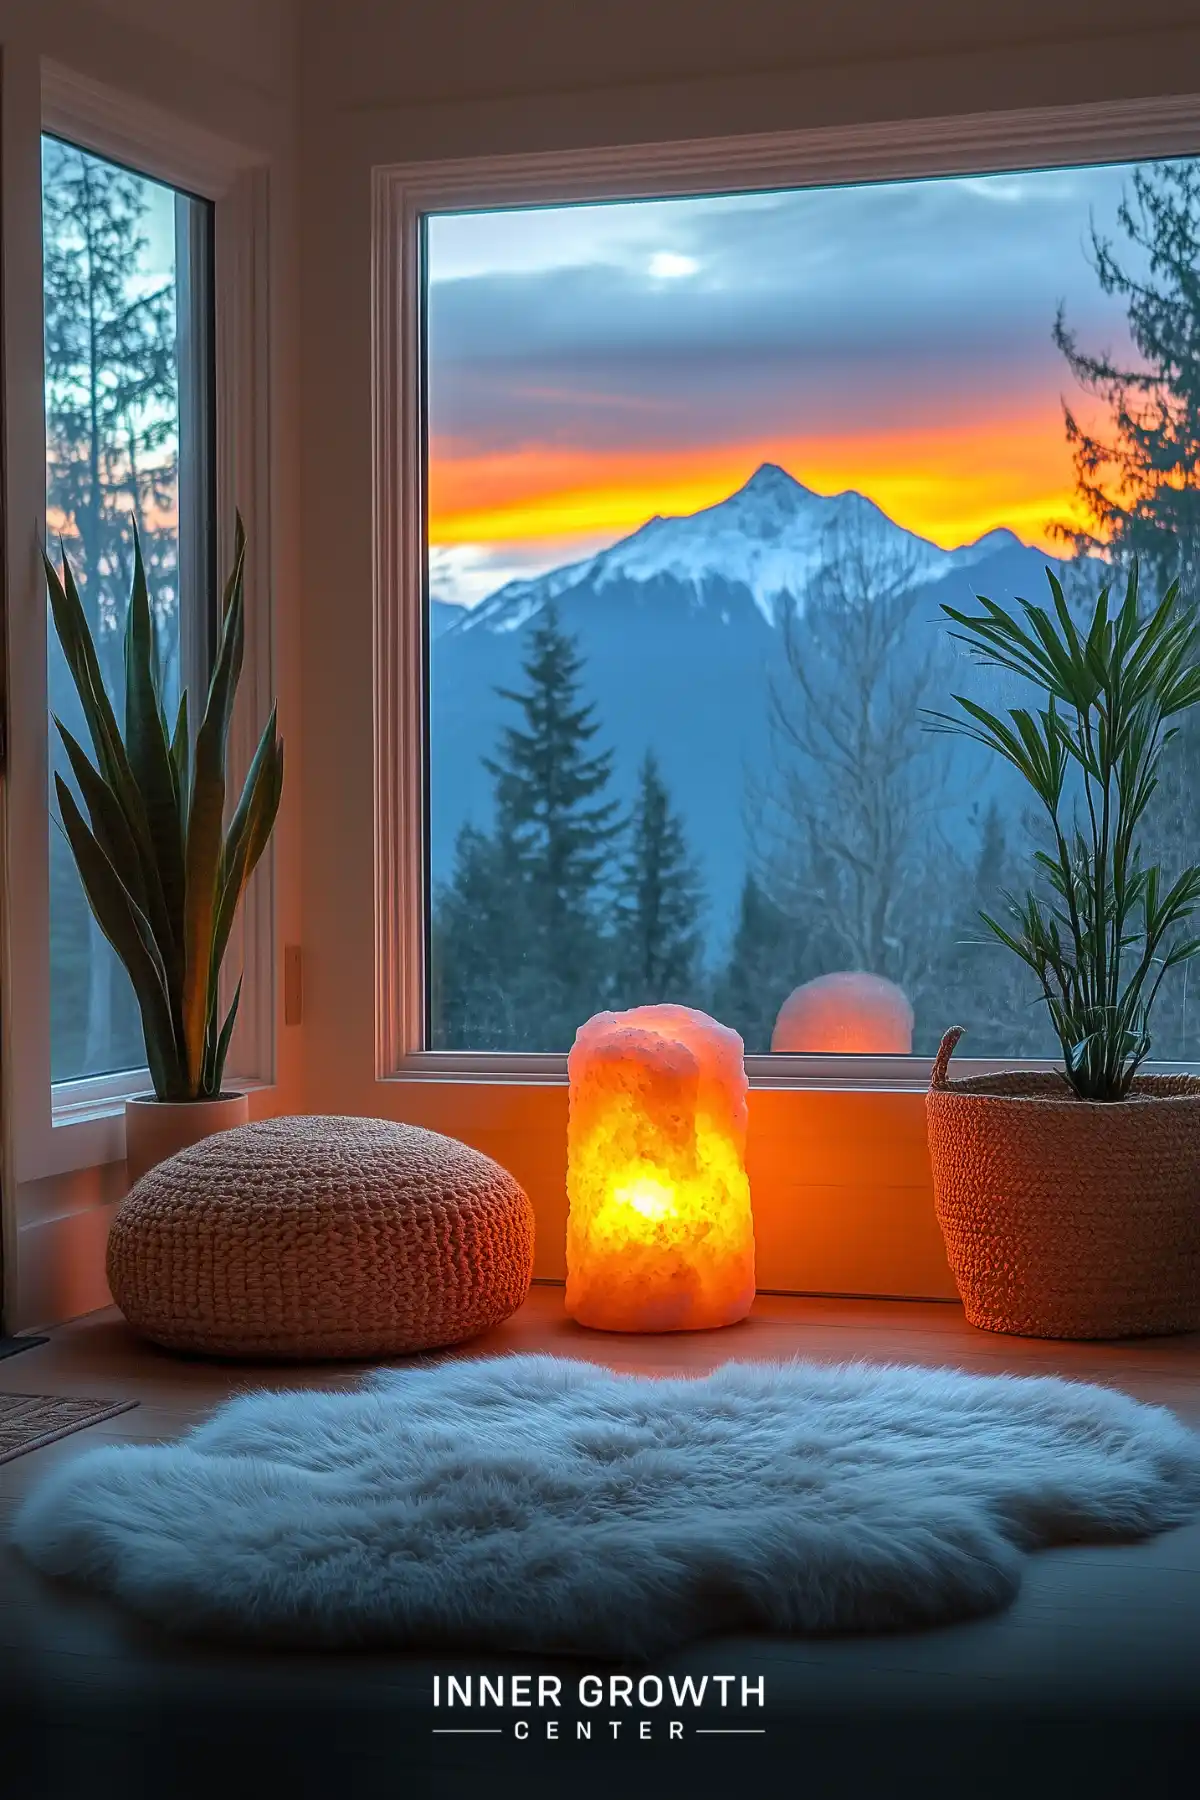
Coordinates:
x,y
1087,1684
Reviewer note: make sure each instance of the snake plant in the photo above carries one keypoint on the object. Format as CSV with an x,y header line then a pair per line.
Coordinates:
x,y
162,872
1109,925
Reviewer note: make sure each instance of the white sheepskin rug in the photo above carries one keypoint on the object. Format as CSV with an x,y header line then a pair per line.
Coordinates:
x,y
530,1503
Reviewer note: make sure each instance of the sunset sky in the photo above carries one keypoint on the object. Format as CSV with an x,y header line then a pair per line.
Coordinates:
x,y
591,366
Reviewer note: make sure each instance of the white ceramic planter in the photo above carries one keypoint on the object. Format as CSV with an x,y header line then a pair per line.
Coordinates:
x,y
156,1129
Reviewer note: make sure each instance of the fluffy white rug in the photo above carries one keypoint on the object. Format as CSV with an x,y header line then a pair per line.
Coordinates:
x,y
533,1503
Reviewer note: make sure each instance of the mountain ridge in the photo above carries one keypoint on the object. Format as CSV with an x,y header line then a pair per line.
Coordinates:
x,y
770,535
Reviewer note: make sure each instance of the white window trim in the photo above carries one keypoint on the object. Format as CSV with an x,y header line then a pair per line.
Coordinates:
x,y
80,1124
403,195
890,1074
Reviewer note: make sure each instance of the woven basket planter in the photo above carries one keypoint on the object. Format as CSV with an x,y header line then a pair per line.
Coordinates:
x,y
1068,1218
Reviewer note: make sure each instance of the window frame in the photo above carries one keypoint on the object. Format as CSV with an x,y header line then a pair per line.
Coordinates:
x,y
403,196
58,1128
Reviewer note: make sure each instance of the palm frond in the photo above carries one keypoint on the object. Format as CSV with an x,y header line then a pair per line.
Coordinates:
x,y
1109,687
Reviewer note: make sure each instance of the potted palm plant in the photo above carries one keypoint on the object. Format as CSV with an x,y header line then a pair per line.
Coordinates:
x,y
1070,1200
162,871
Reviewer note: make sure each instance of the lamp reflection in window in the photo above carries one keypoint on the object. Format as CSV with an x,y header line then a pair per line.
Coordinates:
x,y
849,1013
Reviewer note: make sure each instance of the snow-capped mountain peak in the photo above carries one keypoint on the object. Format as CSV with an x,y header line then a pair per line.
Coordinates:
x,y
769,497
769,538
990,544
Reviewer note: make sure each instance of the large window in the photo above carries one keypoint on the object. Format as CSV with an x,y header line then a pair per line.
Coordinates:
x,y
700,473
127,295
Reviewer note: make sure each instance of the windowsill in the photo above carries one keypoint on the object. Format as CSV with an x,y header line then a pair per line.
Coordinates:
x,y
104,1096
491,1069
88,1128
889,1074
94,1096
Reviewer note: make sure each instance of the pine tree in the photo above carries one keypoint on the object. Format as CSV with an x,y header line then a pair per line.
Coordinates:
x,y
657,938
991,867
477,988
761,970
1139,485
522,954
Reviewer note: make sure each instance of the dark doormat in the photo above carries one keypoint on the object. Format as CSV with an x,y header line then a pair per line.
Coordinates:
x,y
13,1346
27,1421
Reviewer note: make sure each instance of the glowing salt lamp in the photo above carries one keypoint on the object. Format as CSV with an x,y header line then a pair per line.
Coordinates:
x,y
660,1235
850,1013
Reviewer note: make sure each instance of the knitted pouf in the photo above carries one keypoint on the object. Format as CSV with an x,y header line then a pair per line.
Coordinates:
x,y
321,1237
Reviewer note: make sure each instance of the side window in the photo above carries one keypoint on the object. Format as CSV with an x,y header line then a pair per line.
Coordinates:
x,y
128,361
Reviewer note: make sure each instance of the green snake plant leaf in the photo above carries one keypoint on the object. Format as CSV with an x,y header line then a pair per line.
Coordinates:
x,y
263,822
158,870
150,763
70,623
233,581
205,825
218,1046
249,830
181,759
108,822
128,931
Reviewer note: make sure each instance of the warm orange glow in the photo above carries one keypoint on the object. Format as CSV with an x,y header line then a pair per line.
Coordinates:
x,y
660,1235
949,484
848,1013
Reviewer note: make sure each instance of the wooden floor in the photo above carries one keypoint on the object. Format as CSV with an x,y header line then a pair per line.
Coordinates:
x,y
1086,1685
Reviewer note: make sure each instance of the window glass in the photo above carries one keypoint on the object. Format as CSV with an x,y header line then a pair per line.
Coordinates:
x,y
126,312
701,473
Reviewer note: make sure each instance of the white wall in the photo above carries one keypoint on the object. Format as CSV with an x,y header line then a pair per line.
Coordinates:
x,y
254,43
444,77
229,68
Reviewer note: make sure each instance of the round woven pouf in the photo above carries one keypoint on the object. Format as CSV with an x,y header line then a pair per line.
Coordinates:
x,y
321,1237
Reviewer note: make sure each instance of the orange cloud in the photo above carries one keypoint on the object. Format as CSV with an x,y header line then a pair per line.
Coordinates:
x,y
950,484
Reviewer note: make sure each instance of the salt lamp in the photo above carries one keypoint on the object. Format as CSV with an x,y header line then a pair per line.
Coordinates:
x,y
849,1013
660,1235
